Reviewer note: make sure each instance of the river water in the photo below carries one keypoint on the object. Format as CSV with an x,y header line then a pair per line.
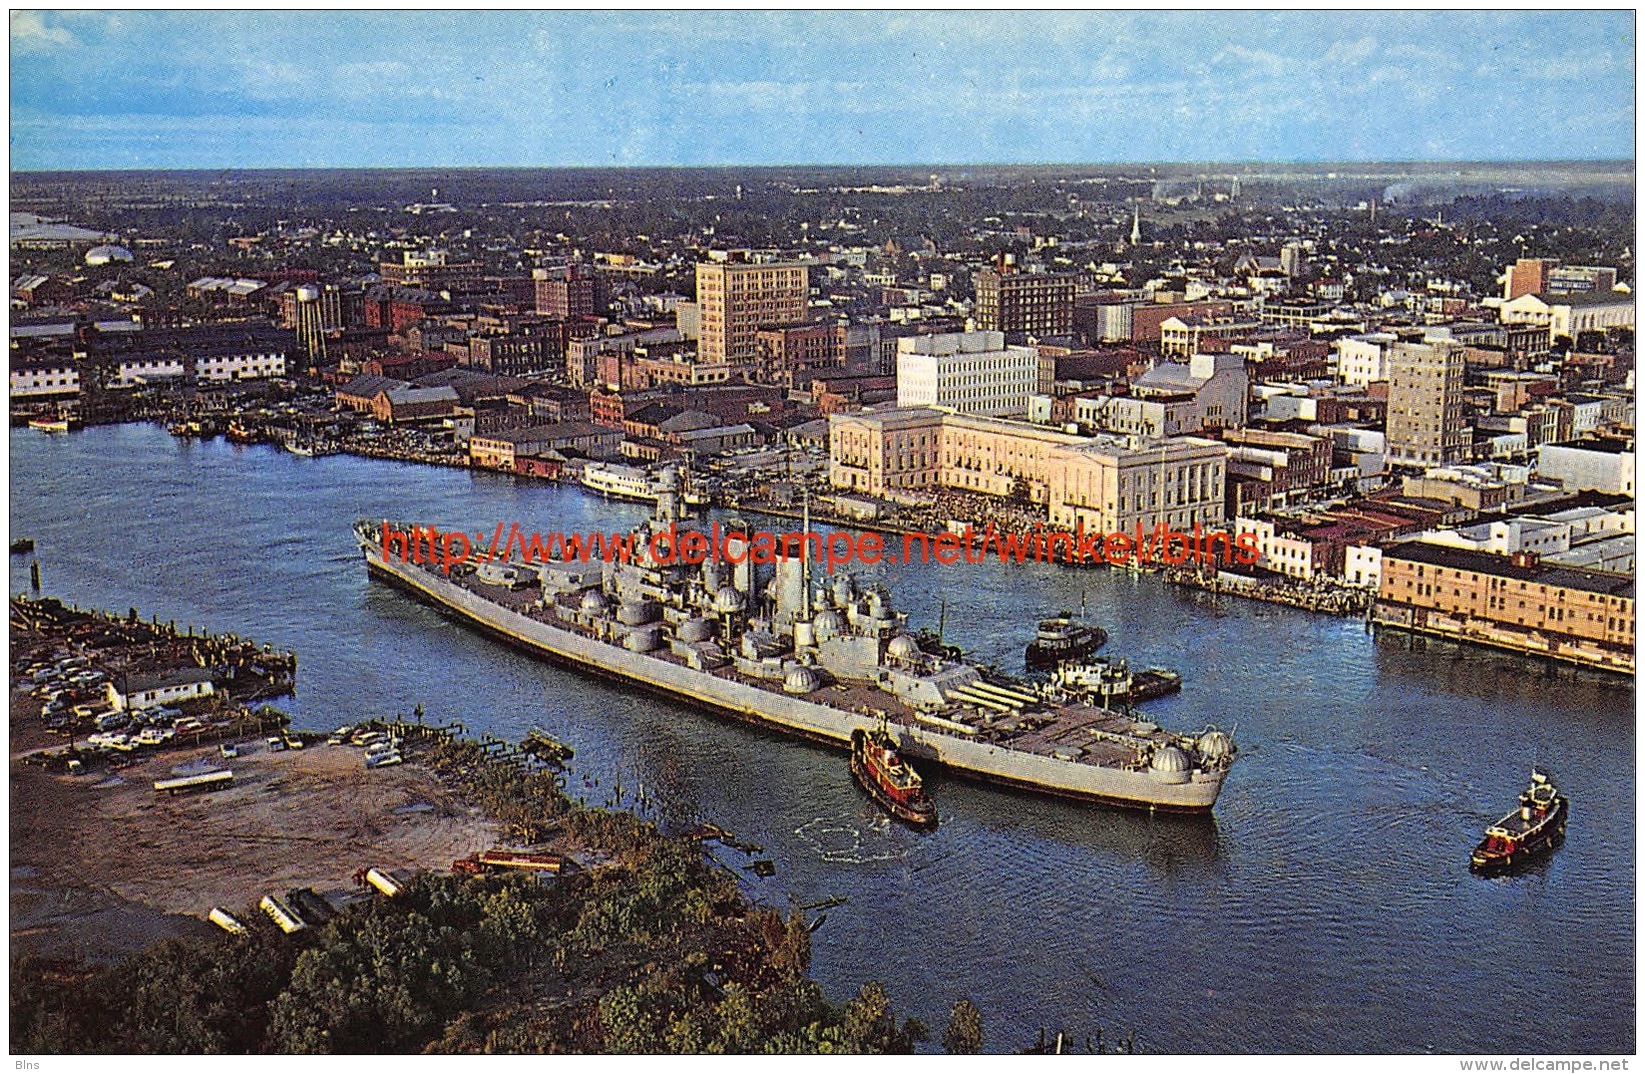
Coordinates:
x,y
1326,906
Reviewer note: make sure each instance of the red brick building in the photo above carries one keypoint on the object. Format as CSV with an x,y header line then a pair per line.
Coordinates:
x,y
407,366
791,354
398,308
569,292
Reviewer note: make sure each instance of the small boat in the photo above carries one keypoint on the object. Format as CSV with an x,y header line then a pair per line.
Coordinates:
x,y
889,779
238,433
620,482
22,546
1530,832
1111,682
1060,638
50,425
545,747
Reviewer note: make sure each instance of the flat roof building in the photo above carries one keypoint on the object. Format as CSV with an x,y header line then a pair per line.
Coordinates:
x,y
736,299
1425,416
969,372
1036,303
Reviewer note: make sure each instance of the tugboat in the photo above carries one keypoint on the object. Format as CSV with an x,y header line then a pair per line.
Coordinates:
x,y
1112,683
1063,638
1528,833
888,778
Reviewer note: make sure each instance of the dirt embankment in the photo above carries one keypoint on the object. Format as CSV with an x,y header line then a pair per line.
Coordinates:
x,y
102,865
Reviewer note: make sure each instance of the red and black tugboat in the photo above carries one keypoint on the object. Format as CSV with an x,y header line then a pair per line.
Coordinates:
x,y
889,779
1528,833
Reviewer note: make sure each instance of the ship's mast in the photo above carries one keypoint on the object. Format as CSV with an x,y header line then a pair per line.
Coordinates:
x,y
805,555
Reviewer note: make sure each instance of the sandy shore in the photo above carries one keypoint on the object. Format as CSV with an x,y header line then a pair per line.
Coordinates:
x,y
101,865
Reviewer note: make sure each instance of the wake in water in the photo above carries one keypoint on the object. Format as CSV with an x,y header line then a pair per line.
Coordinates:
x,y
843,843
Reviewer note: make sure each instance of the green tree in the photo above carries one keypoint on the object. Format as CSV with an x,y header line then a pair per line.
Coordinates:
x,y
870,1027
629,1026
964,1034
198,996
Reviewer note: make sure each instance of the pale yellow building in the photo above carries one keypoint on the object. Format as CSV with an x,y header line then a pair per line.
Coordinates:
x,y
1425,413
1113,482
874,451
735,299
992,455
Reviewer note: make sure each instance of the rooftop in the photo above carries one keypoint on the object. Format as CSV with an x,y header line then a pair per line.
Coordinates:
x,y
1463,559
1588,298
1608,445
561,430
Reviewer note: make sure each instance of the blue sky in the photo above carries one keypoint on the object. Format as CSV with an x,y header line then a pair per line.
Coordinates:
x,y
198,89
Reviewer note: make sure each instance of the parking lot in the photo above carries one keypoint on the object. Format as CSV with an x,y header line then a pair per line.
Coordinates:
x,y
100,860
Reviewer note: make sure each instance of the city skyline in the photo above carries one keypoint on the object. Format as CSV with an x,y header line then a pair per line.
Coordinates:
x,y
107,90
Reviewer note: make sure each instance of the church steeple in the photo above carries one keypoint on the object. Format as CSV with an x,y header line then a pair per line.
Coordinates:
x,y
1136,226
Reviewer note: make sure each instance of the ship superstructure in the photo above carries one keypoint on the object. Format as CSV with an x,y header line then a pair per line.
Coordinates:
x,y
818,657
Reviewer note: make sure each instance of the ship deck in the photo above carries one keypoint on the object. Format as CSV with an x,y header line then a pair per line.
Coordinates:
x,y
1075,731
1515,826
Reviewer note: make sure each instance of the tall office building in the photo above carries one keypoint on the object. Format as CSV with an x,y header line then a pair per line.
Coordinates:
x,y
1293,260
1425,418
1038,303
736,299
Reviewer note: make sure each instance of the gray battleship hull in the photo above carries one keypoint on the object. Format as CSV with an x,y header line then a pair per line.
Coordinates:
x,y
1194,792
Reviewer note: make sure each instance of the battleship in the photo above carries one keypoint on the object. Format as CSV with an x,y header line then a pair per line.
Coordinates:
x,y
818,658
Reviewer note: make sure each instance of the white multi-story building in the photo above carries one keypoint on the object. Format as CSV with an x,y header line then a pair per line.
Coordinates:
x,y
250,366
1601,465
968,372
1362,566
1279,551
1570,315
1117,483
1593,537
45,378
1208,392
1363,359
146,370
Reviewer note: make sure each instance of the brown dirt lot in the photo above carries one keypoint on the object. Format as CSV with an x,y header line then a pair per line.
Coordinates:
x,y
100,867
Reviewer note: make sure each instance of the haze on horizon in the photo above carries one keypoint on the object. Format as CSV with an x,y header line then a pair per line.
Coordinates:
x,y
314,89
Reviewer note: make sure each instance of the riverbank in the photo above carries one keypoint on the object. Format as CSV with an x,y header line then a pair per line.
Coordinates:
x,y
1333,714
292,819
1323,596
637,943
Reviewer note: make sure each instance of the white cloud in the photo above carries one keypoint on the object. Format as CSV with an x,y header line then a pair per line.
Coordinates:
x,y
29,33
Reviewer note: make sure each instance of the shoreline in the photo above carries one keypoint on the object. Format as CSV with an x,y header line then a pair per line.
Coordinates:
x,y
292,819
